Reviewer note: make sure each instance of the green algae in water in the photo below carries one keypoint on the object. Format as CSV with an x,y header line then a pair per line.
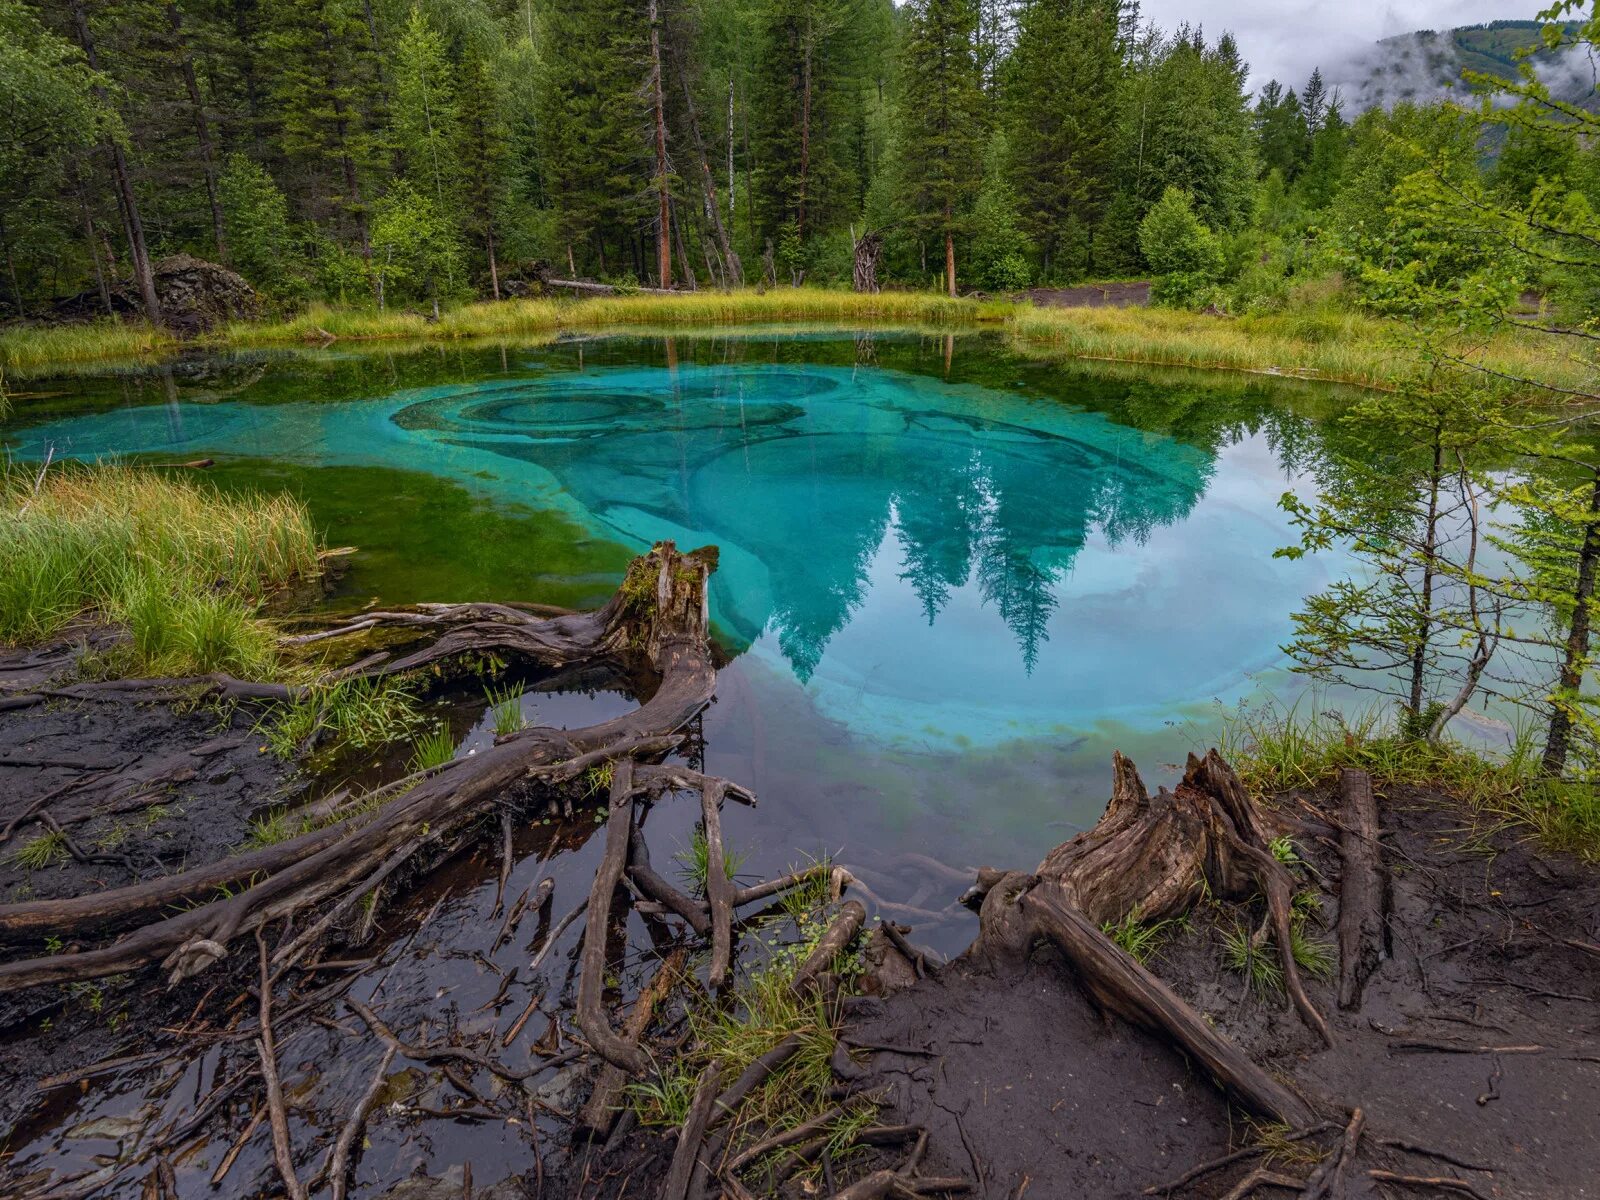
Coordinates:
x,y
420,538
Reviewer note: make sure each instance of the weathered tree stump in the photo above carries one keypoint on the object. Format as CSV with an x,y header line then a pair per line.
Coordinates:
x,y
1157,856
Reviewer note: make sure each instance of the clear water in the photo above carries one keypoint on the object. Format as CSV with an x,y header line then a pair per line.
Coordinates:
x,y
952,578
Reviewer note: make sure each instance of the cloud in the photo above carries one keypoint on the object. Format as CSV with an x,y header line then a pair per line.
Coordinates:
x,y
1285,39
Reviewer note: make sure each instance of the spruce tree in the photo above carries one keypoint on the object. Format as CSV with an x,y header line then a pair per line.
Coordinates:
x,y
941,101
1059,104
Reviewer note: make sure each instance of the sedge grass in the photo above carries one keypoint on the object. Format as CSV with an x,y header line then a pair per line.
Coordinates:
x,y
1325,343
763,1011
182,568
26,349
1322,340
1276,749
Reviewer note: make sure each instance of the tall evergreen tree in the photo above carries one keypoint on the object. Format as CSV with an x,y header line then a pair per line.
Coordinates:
x,y
941,102
1059,99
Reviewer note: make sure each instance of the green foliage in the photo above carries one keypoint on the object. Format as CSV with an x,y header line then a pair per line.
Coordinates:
x,y
694,861
1138,938
505,708
416,251
40,852
433,749
1181,250
357,713
261,244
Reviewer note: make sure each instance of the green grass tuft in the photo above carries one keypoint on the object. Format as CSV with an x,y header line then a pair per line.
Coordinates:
x,y
505,709
43,851
433,749
354,713
1140,940
694,863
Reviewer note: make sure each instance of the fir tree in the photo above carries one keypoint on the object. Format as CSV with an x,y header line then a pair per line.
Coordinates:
x,y
940,111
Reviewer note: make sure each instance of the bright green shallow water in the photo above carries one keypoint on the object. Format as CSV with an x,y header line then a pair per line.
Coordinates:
x,y
953,578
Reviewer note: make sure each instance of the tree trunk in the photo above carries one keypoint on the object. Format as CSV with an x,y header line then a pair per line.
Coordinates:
x,y
11,267
202,129
1575,657
494,269
94,248
663,196
732,268
949,256
1419,656
133,225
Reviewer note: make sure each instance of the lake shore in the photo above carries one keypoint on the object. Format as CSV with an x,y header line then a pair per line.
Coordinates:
x,y
1327,344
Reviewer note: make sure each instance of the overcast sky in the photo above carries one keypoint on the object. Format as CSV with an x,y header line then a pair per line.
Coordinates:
x,y
1285,39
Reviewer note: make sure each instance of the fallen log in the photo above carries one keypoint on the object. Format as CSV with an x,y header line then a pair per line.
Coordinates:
x,y
1360,888
659,614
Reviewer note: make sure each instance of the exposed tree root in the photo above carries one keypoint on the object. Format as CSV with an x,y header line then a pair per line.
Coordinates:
x,y
1157,857
1360,888
659,614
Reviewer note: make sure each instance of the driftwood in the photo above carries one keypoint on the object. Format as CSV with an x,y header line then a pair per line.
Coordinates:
x,y
658,616
600,1111
1360,888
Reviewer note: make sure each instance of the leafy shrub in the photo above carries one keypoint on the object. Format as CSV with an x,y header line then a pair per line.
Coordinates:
x,y
1181,250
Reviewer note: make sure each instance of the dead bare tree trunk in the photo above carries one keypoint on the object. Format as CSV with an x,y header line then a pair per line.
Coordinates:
x,y
132,224
733,269
663,197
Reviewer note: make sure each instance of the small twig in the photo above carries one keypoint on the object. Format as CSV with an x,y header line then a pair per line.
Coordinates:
x,y
1443,1182
339,1159
1429,1152
226,1164
267,1050
555,933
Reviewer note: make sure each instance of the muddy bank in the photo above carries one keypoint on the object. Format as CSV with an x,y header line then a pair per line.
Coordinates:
x,y
1492,945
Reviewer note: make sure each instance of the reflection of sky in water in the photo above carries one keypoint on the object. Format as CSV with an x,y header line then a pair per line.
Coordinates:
x,y
937,564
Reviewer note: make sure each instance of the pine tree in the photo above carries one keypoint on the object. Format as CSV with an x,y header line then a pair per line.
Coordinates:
x,y
941,101
594,155
1059,102
324,96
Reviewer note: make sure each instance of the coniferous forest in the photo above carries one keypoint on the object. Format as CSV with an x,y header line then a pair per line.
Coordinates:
x,y
407,152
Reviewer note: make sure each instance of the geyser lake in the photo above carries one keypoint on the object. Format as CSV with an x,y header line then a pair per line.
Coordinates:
x,y
953,578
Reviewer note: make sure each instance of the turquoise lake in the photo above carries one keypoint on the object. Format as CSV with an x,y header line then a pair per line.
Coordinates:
x,y
953,578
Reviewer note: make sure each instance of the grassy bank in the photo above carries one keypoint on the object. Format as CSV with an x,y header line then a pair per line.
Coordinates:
x,y
1325,343
1275,751
1328,344
183,568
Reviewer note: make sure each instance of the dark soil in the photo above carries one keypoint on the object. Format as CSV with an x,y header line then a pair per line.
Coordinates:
x,y
1023,1085
220,778
1093,295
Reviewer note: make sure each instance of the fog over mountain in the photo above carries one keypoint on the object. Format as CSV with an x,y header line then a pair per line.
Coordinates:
x,y
1285,39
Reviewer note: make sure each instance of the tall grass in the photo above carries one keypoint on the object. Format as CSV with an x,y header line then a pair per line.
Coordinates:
x,y
1276,749
31,347
1325,342
1323,339
693,309
181,567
